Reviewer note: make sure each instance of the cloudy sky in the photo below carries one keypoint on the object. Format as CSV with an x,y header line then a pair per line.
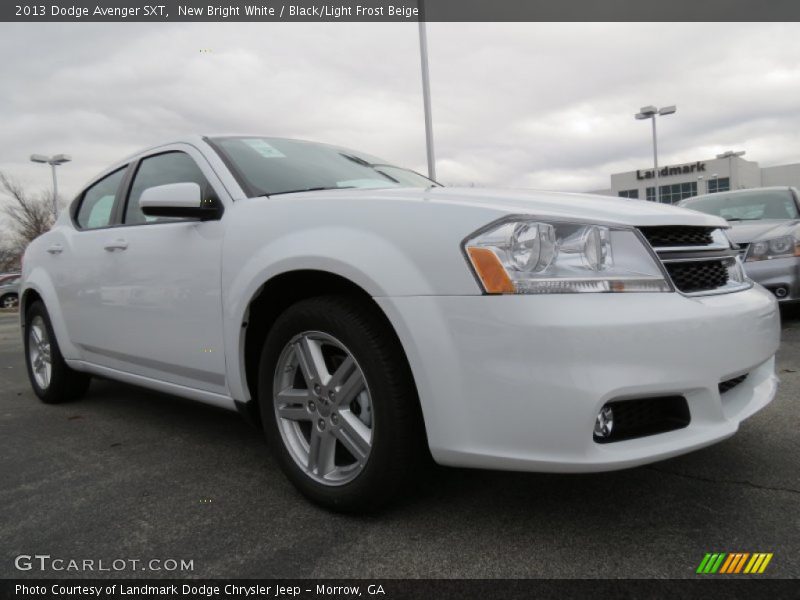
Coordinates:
x,y
546,106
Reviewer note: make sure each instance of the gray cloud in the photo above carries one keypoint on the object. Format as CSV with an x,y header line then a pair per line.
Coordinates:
x,y
522,105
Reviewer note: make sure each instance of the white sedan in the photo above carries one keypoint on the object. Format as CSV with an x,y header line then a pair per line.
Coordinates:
x,y
368,318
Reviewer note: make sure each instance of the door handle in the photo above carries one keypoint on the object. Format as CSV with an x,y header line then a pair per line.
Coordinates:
x,y
116,245
56,249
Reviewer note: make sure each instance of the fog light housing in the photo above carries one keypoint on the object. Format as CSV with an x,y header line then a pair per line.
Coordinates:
x,y
604,423
781,292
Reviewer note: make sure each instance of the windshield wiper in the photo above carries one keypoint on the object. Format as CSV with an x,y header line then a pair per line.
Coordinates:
x,y
741,219
363,163
312,189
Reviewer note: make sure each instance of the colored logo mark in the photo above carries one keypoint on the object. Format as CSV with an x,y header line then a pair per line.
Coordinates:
x,y
734,563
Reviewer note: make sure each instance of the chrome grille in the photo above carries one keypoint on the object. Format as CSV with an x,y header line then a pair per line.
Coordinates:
x,y
697,259
673,236
698,276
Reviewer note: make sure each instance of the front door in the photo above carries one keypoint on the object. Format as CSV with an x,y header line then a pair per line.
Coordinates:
x,y
163,300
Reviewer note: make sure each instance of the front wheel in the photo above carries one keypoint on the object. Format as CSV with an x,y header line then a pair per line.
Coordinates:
x,y
52,380
338,404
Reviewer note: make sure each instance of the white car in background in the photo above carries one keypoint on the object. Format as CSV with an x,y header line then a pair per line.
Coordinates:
x,y
366,316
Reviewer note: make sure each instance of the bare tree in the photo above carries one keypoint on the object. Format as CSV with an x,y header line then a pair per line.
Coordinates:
x,y
9,257
29,215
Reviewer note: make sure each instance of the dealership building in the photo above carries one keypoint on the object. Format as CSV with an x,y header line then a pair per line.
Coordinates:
x,y
729,171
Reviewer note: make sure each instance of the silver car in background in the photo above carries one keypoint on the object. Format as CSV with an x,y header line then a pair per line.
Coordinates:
x,y
765,223
9,291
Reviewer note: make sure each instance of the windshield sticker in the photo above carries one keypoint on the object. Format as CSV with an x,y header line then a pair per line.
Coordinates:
x,y
264,149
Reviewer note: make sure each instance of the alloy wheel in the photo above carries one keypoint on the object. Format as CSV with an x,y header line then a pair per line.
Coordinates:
x,y
323,408
39,353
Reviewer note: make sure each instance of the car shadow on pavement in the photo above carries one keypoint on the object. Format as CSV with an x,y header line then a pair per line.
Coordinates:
x,y
155,472
636,492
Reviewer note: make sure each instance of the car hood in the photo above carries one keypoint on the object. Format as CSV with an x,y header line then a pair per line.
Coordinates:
x,y
560,205
744,232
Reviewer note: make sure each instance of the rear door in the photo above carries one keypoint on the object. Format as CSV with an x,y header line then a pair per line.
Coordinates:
x,y
79,264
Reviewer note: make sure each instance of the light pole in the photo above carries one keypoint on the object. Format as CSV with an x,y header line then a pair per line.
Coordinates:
x,y
426,91
730,154
53,161
426,99
650,112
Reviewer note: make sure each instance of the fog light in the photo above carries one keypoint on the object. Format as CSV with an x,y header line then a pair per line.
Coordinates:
x,y
781,292
604,423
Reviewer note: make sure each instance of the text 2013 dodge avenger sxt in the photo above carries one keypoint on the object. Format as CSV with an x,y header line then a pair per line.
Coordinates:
x,y
364,315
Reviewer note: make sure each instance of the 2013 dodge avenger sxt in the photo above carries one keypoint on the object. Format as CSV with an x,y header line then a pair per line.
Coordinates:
x,y
365,316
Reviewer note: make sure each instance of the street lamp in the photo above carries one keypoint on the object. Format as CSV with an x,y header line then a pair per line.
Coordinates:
x,y
53,161
730,154
426,92
650,112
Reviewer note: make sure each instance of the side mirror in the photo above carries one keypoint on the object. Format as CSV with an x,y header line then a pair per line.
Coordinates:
x,y
182,200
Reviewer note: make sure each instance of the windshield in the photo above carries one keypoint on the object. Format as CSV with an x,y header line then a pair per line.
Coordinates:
x,y
269,166
747,206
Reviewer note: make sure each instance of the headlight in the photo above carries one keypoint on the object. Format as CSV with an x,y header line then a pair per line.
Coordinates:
x,y
530,256
780,247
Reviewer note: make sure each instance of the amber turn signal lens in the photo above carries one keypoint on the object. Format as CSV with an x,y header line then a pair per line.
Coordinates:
x,y
491,272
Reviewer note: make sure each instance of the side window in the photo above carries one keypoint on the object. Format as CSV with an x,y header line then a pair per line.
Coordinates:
x,y
96,209
172,167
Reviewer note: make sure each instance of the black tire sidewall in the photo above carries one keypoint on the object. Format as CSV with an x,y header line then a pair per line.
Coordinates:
x,y
65,384
380,475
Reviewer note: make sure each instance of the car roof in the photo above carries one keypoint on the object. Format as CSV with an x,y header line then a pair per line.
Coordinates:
x,y
198,141
773,188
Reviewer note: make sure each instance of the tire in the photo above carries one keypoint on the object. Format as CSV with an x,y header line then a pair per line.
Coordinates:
x,y
9,301
377,432
52,382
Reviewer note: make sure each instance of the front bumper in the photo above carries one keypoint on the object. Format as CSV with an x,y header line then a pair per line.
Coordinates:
x,y
515,382
777,274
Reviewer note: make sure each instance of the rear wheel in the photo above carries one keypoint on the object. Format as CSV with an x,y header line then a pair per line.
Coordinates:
x,y
338,404
52,380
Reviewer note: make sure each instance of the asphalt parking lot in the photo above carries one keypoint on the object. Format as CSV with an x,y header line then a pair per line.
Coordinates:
x,y
128,473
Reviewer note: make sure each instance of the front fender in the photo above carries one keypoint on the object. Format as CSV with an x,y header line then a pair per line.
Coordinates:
x,y
284,255
366,259
389,247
